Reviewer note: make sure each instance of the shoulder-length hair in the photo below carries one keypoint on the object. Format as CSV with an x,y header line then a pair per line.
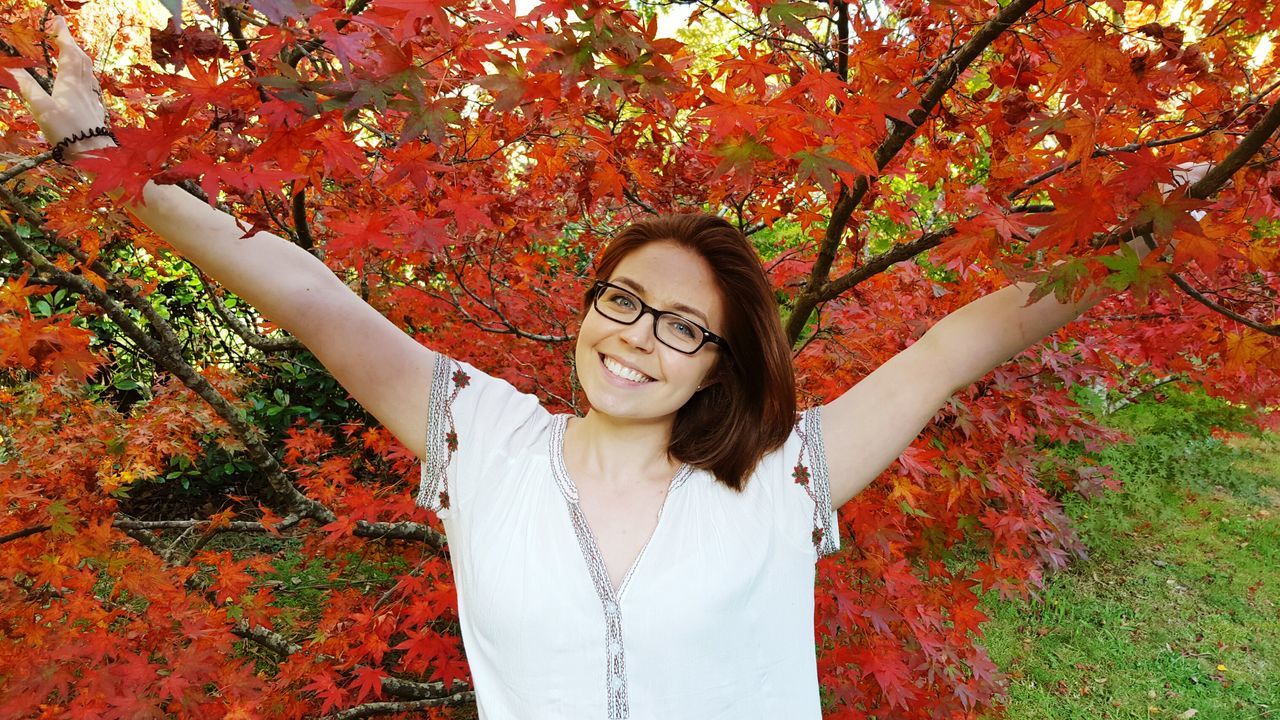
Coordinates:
x,y
728,426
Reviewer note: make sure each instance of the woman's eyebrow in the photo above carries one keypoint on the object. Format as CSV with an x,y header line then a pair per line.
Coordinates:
x,y
680,307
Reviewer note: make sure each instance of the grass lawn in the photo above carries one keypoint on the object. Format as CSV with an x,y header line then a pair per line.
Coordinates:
x,y
1177,612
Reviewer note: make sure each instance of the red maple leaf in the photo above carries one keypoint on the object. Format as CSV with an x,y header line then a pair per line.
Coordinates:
x,y
885,664
325,688
140,157
368,682
467,209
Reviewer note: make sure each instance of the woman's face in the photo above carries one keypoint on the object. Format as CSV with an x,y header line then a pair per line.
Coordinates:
x,y
624,370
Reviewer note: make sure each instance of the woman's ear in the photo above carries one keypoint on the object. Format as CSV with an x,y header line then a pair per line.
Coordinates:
x,y
712,377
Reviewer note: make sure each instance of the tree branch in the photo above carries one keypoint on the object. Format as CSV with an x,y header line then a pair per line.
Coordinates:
x,y
30,163
374,709
168,554
1111,407
900,253
416,532
164,352
1216,307
236,29
300,220
1212,181
850,198
355,7
1104,152
269,639
494,308
424,694
19,534
1202,189
1236,159
234,526
411,531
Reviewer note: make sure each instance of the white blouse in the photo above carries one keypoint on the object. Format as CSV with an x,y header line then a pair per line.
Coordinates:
x,y
713,620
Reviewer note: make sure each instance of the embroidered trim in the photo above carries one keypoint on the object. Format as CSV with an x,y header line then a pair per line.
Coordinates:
x,y
442,437
615,677
815,481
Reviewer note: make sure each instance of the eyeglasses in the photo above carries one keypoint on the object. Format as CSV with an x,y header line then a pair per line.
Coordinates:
x,y
675,331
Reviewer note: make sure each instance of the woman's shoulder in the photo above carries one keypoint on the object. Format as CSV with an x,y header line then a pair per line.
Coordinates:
x,y
469,404
794,479
798,445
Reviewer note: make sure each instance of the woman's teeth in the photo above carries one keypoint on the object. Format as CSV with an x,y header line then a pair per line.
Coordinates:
x,y
624,372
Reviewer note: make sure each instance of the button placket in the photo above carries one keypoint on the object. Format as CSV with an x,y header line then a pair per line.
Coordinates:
x,y
615,650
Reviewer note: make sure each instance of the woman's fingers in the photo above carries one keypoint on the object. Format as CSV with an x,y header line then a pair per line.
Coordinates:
x,y
30,90
73,63
1188,172
39,102
75,104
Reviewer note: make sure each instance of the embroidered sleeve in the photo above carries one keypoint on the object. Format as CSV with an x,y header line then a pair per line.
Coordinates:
x,y
810,473
442,435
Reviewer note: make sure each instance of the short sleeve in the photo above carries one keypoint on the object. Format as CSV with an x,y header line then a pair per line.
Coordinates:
x,y
801,488
471,417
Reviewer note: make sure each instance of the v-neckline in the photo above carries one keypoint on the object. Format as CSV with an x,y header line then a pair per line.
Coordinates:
x,y
587,541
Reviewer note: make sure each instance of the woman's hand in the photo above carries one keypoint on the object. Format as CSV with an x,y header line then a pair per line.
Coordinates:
x,y
76,103
1188,173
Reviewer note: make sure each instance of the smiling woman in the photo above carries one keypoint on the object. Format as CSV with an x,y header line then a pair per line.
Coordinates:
x,y
655,557
614,565
746,405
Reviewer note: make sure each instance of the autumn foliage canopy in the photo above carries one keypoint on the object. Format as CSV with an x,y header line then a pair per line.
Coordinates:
x,y
197,522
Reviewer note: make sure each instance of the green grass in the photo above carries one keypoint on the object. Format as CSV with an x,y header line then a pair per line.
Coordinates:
x,y
1178,608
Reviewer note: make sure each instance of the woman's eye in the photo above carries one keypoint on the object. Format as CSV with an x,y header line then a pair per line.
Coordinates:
x,y
685,329
622,301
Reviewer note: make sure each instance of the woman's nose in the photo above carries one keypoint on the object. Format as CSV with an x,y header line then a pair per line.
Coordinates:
x,y
639,334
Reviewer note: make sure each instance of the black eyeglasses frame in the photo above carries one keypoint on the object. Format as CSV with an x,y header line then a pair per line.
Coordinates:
x,y
707,335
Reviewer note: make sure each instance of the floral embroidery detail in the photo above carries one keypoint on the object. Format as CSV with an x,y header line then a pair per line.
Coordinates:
x,y
442,436
801,474
813,478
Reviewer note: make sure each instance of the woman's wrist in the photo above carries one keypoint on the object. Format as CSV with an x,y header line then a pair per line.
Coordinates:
x,y
83,142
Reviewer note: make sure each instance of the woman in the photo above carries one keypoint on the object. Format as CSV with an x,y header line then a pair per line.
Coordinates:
x,y
654,558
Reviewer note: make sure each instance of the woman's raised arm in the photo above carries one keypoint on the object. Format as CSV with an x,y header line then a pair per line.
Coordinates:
x,y
869,426
384,369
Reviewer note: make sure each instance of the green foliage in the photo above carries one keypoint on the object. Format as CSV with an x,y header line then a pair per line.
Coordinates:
x,y
782,236
1183,414
1176,608
1179,444
303,582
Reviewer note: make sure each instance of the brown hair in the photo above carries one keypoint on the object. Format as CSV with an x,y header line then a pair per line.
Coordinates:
x,y
727,427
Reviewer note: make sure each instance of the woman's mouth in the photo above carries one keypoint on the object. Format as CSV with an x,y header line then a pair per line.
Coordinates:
x,y
624,372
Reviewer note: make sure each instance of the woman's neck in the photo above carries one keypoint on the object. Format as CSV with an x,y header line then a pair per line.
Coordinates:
x,y
619,452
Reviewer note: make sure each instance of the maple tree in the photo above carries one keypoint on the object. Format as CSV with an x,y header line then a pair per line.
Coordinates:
x,y
460,163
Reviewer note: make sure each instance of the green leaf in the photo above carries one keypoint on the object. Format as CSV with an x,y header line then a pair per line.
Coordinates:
x,y
1125,268
902,505
61,519
1063,278
820,167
